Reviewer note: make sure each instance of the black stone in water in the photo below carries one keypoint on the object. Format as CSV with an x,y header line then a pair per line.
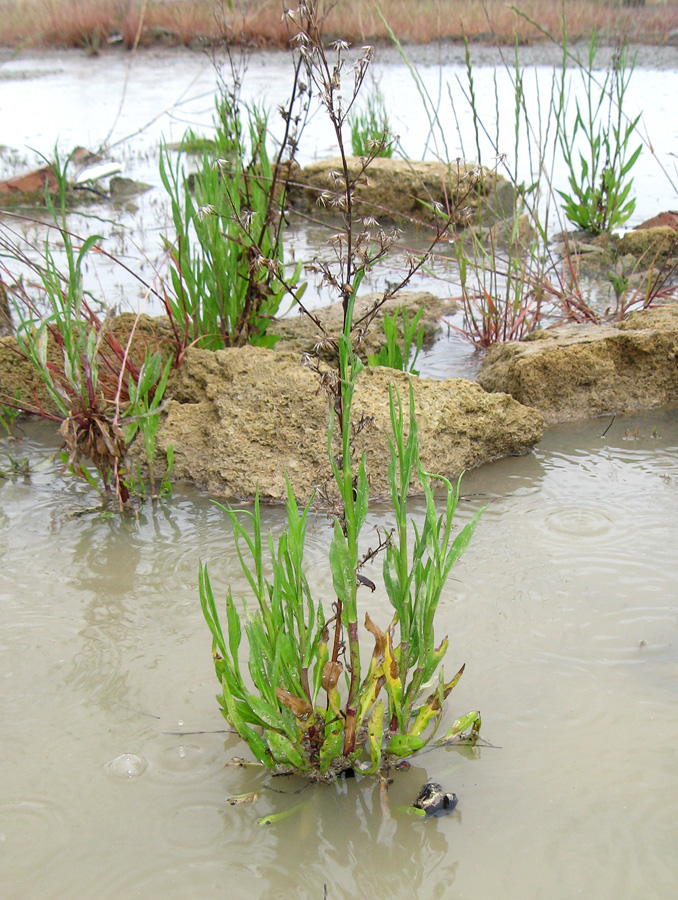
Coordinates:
x,y
434,801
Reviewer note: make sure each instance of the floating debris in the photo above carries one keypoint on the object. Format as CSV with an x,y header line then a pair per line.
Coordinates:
x,y
433,800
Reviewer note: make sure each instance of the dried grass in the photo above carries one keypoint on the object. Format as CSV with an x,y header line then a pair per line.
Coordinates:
x,y
90,23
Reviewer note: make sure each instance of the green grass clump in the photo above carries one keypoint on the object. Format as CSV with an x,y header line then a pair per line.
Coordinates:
x,y
371,130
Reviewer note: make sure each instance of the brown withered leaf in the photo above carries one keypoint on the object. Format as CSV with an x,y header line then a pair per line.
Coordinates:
x,y
363,579
299,706
378,635
331,673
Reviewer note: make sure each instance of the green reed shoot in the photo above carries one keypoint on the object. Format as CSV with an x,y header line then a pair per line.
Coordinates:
x,y
391,354
228,275
371,129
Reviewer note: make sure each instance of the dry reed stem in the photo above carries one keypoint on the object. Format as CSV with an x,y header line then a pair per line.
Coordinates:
x,y
89,23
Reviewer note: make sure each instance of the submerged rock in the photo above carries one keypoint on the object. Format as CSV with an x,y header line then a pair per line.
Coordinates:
x,y
241,418
123,188
579,371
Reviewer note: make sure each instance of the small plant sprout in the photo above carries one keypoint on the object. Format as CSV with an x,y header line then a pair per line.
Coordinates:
x,y
392,354
9,413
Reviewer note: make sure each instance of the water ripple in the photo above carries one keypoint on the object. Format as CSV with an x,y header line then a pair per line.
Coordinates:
x,y
31,828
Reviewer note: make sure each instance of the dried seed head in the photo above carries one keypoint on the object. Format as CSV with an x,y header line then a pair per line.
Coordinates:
x,y
474,176
204,211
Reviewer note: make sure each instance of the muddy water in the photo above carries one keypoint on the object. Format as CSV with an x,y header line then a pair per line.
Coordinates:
x,y
129,102
564,609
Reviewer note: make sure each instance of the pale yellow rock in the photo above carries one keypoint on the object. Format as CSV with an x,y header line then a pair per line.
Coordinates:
x,y
241,418
579,371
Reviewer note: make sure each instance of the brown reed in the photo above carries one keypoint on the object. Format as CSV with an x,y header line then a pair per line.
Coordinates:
x,y
91,23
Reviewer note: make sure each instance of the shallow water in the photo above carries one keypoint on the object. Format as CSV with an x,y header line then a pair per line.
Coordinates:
x,y
129,102
564,609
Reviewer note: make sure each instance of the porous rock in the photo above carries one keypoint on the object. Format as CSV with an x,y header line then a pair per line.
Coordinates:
x,y
407,189
241,418
579,371
19,378
299,334
660,240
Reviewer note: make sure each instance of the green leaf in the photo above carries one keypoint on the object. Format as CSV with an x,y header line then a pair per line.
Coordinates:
x,y
273,818
362,495
343,574
392,581
254,741
461,542
459,726
284,751
265,712
375,733
332,745
209,608
404,744
234,632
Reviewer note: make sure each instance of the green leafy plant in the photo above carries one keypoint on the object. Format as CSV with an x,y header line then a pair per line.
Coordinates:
x,y
9,414
228,274
18,468
371,130
86,372
305,703
597,149
145,396
391,354
298,718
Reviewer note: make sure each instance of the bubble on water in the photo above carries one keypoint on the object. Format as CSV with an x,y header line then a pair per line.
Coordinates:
x,y
127,765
